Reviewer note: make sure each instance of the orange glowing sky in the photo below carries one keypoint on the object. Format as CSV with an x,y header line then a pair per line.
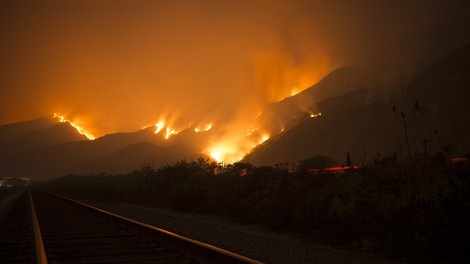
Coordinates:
x,y
118,65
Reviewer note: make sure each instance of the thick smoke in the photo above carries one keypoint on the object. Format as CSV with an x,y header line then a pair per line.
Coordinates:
x,y
121,65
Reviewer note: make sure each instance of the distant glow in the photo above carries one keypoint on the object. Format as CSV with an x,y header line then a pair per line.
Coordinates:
x,y
80,130
295,91
333,169
341,168
315,115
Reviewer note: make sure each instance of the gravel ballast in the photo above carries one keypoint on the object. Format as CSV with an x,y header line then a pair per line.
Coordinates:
x,y
253,241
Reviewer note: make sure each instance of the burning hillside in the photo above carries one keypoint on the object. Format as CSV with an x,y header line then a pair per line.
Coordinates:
x,y
79,129
224,142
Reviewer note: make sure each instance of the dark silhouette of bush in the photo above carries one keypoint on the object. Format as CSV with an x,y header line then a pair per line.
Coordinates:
x,y
319,162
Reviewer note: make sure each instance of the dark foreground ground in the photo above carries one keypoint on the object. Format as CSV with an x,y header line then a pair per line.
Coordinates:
x,y
254,241
414,210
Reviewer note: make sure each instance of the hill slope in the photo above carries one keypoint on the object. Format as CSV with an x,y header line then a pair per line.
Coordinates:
x,y
113,153
10,132
363,126
134,156
55,134
277,116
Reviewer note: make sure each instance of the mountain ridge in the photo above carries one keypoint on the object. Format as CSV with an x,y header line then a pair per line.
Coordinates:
x,y
441,91
355,119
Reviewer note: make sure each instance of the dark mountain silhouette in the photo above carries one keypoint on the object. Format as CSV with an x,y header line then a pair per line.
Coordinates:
x,y
136,155
364,125
111,153
55,134
50,160
10,132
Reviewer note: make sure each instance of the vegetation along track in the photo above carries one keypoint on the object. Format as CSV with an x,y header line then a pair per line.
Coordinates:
x,y
73,232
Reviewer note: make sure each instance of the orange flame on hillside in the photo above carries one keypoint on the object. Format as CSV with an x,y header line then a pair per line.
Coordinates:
x,y
203,128
225,152
80,129
229,142
169,131
159,126
233,147
263,139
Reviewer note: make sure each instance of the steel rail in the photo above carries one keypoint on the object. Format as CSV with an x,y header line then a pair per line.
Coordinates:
x,y
41,257
204,252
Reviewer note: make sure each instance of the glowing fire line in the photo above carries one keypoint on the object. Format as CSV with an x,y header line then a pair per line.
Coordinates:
x,y
80,130
231,148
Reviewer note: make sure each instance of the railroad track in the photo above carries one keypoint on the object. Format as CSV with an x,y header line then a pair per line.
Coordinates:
x,y
61,230
16,229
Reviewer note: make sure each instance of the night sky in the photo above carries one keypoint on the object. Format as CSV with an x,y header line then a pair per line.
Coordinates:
x,y
122,65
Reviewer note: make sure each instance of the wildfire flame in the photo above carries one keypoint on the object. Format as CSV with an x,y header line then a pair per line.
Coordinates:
x,y
203,128
217,155
230,147
80,129
170,132
159,127
225,152
233,148
263,138
228,144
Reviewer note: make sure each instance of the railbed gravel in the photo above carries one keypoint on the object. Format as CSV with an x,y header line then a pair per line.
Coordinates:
x,y
253,241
